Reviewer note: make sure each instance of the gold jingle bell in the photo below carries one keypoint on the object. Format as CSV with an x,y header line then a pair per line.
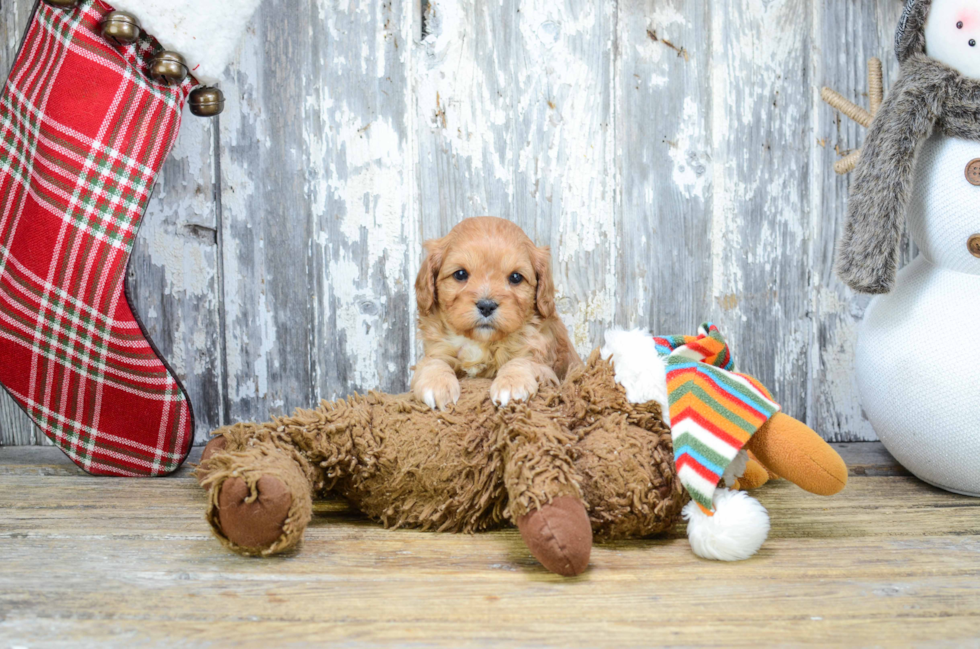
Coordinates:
x,y
64,4
207,101
120,27
168,68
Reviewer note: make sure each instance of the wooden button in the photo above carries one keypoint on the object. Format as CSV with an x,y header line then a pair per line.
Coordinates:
x,y
973,171
973,244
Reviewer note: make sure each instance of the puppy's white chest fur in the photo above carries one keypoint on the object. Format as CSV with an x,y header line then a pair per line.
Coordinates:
x,y
473,357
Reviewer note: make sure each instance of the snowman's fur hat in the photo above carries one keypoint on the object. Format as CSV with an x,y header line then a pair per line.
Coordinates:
x,y
927,95
910,36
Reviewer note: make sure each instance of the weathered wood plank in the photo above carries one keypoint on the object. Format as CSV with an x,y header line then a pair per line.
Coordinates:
x,y
14,15
846,35
563,139
267,231
674,154
760,105
360,182
515,120
173,273
664,153
466,100
16,428
888,562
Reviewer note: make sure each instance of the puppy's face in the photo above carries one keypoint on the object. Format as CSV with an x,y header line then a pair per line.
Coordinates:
x,y
485,280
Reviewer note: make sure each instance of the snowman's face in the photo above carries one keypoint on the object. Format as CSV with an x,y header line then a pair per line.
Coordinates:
x,y
953,35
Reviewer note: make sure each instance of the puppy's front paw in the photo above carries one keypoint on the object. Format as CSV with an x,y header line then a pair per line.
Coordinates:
x,y
437,390
513,386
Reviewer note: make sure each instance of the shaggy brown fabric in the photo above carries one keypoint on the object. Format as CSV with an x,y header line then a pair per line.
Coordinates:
x,y
471,468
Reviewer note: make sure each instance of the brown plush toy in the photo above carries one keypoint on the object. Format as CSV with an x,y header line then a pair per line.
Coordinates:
x,y
576,461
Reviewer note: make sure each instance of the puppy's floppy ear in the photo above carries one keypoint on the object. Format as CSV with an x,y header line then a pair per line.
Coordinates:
x,y
425,283
545,297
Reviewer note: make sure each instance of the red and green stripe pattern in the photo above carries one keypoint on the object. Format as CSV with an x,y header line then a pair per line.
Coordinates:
x,y
714,411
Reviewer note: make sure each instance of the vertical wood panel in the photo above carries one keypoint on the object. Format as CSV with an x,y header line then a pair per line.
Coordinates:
x,y
358,124
564,144
465,101
266,217
663,122
847,34
761,102
173,273
16,428
515,119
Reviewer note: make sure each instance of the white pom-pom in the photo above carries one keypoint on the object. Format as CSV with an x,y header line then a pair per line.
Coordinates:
x,y
736,531
639,368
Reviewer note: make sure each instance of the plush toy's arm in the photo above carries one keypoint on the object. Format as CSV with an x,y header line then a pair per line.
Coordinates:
x,y
867,253
790,449
206,34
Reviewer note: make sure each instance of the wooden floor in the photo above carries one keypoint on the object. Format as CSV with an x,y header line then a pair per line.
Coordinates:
x,y
89,561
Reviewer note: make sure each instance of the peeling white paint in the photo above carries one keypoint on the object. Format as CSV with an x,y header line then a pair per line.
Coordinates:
x,y
690,164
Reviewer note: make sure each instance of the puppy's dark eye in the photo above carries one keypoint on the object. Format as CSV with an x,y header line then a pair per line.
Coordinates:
x,y
959,25
973,43
461,275
515,278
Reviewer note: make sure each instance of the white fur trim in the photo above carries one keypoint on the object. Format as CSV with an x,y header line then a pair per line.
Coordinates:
x,y
736,469
638,366
736,531
205,32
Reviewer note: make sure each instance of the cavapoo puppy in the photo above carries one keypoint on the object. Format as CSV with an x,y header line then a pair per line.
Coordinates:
x,y
486,303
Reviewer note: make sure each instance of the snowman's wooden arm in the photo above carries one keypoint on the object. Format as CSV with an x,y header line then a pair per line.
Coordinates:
x,y
863,117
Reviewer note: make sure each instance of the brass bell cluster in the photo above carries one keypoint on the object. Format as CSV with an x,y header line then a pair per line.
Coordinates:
x,y
166,68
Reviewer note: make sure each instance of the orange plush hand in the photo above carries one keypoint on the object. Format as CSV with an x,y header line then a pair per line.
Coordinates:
x,y
755,475
792,450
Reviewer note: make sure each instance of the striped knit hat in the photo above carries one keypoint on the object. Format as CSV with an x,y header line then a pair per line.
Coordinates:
x,y
714,411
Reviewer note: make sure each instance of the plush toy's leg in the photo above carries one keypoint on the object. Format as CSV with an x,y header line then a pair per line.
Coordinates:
x,y
543,488
624,452
629,480
260,495
792,450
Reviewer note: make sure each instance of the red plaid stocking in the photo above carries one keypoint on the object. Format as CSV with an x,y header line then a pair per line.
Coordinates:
x,y
83,133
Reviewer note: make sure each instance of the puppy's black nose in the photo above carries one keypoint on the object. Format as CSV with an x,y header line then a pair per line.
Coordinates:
x,y
486,307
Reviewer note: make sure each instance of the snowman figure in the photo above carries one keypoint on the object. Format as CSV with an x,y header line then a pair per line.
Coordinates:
x,y
921,164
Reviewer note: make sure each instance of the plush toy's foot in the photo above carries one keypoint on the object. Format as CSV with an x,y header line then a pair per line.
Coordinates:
x,y
259,497
792,450
216,444
559,535
253,521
